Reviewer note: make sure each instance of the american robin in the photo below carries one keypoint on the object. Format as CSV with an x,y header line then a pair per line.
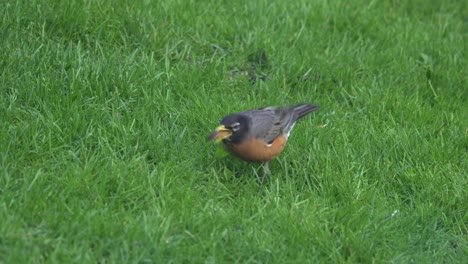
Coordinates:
x,y
259,135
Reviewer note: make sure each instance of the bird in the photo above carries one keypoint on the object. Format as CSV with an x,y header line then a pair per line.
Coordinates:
x,y
259,135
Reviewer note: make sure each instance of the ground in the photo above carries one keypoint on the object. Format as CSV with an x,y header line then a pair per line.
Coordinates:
x,y
105,107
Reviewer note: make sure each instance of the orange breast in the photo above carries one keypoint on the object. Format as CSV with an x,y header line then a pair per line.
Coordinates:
x,y
256,150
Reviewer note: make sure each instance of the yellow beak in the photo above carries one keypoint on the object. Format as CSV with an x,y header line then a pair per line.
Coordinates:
x,y
220,133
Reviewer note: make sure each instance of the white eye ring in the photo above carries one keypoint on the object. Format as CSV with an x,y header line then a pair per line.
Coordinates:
x,y
235,126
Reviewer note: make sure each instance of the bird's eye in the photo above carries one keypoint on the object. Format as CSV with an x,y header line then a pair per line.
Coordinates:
x,y
235,126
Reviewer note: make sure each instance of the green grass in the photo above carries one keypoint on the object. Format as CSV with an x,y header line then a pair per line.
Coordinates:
x,y
105,107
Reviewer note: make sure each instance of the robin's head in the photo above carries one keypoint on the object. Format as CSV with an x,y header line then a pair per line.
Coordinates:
x,y
233,129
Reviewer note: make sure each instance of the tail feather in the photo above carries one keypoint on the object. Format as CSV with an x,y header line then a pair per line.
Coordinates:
x,y
301,110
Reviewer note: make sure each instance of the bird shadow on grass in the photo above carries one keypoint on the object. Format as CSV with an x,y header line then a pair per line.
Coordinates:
x,y
234,171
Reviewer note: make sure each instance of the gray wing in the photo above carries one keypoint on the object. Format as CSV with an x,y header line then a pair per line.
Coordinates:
x,y
270,122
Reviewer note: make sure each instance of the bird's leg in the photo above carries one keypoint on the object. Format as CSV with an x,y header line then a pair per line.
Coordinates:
x,y
265,171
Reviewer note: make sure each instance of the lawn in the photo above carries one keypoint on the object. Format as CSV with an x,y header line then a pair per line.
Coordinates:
x,y
105,107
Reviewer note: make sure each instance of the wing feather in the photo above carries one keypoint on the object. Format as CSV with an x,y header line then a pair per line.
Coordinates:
x,y
270,122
